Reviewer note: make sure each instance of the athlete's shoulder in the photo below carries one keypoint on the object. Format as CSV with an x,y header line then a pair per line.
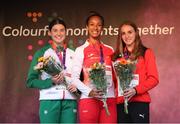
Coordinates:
x,y
42,50
82,47
108,47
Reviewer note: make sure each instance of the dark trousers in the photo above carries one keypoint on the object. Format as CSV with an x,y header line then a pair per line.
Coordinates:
x,y
138,112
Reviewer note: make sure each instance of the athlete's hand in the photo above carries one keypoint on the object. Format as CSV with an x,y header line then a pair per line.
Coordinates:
x,y
57,79
72,88
129,93
96,93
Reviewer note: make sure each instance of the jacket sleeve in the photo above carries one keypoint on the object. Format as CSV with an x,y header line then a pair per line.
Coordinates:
x,y
151,74
77,67
33,79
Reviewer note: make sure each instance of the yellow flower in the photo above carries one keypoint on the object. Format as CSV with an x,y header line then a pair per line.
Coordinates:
x,y
129,61
94,66
41,59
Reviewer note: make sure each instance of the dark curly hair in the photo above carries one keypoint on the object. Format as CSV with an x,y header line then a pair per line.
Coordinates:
x,y
94,13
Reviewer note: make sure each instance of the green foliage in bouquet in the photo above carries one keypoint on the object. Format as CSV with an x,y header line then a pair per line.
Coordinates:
x,y
124,70
97,75
51,67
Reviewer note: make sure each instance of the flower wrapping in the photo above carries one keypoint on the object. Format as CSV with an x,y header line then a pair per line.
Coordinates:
x,y
48,65
124,70
97,75
51,67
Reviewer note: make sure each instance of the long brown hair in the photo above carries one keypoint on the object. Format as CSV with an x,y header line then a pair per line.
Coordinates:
x,y
139,48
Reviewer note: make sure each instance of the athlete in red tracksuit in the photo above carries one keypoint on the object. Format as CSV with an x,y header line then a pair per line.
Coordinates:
x,y
146,75
91,109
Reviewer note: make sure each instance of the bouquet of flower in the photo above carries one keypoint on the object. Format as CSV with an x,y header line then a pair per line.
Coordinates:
x,y
50,66
124,70
97,75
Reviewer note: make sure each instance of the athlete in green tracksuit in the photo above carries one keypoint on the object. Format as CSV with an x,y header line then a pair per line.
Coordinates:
x,y
57,102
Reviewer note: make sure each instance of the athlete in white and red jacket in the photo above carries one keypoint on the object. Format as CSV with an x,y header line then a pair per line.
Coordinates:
x,y
91,109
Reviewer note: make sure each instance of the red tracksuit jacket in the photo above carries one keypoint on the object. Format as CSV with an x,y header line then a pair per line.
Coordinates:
x,y
148,78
